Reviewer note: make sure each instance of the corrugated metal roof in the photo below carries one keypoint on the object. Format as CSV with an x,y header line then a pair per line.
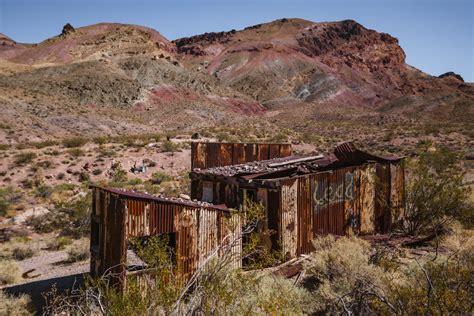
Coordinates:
x,y
176,201
345,154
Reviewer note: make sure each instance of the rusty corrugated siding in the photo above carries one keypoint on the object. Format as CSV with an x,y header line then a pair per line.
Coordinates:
x,y
367,199
397,193
305,216
289,217
320,189
382,202
209,155
115,217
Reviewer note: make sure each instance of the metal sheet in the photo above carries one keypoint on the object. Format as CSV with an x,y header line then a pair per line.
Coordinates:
x,y
209,155
320,190
382,200
289,220
367,199
305,216
397,191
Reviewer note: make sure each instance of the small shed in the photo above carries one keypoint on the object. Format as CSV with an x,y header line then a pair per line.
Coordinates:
x,y
196,228
348,191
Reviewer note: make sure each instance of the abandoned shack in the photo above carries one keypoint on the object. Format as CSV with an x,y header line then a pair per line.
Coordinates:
x,y
345,192
209,155
194,231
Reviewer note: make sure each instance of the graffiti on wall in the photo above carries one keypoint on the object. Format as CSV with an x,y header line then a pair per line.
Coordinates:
x,y
326,195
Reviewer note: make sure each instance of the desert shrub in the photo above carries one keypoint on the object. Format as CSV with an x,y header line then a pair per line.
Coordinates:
x,y
5,194
9,272
100,140
43,144
23,251
436,192
96,172
4,146
169,146
59,243
341,278
75,152
79,251
43,191
84,176
119,178
74,142
21,159
15,305
159,177
70,218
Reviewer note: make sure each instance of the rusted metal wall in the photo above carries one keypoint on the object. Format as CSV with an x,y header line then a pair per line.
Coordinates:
x,y
363,199
367,198
305,216
397,193
209,155
289,218
115,217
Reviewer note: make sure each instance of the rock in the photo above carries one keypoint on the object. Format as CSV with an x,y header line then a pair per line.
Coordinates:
x,y
32,212
67,29
185,197
452,75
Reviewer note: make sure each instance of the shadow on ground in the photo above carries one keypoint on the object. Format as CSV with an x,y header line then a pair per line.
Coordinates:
x,y
35,289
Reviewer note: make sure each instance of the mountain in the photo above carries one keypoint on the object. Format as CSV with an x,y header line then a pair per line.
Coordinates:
x,y
113,78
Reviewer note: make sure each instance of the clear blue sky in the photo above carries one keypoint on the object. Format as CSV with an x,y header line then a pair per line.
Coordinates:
x,y
437,35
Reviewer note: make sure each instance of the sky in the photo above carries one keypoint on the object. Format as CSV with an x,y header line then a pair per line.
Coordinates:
x,y
437,35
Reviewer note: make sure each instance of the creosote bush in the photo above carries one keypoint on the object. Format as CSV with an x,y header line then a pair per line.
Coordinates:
x,y
59,243
79,251
74,142
9,272
23,158
15,305
436,193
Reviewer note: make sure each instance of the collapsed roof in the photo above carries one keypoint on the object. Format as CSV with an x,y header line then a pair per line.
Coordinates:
x,y
344,155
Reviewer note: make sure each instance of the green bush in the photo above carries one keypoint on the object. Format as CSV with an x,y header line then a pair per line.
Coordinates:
x,y
79,251
9,272
159,177
169,146
59,243
15,304
74,142
436,192
23,158
22,252
75,152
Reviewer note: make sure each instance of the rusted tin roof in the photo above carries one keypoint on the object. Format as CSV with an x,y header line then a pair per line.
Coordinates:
x,y
344,155
176,201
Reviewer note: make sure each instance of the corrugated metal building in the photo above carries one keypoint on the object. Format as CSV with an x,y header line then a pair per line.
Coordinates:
x,y
347,191
210,155
196,228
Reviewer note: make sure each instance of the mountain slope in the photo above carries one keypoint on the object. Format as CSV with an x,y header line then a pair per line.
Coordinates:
x,y
116,78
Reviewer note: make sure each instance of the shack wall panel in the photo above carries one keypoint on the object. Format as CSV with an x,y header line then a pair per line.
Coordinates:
x,y
263,152
305,216
382,201
187,243
367,199
320,191
238,154
289,220
274,151
208,235
336,202
351,217
397,189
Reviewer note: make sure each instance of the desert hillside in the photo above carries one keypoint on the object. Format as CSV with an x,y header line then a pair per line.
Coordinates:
x,y
112,79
